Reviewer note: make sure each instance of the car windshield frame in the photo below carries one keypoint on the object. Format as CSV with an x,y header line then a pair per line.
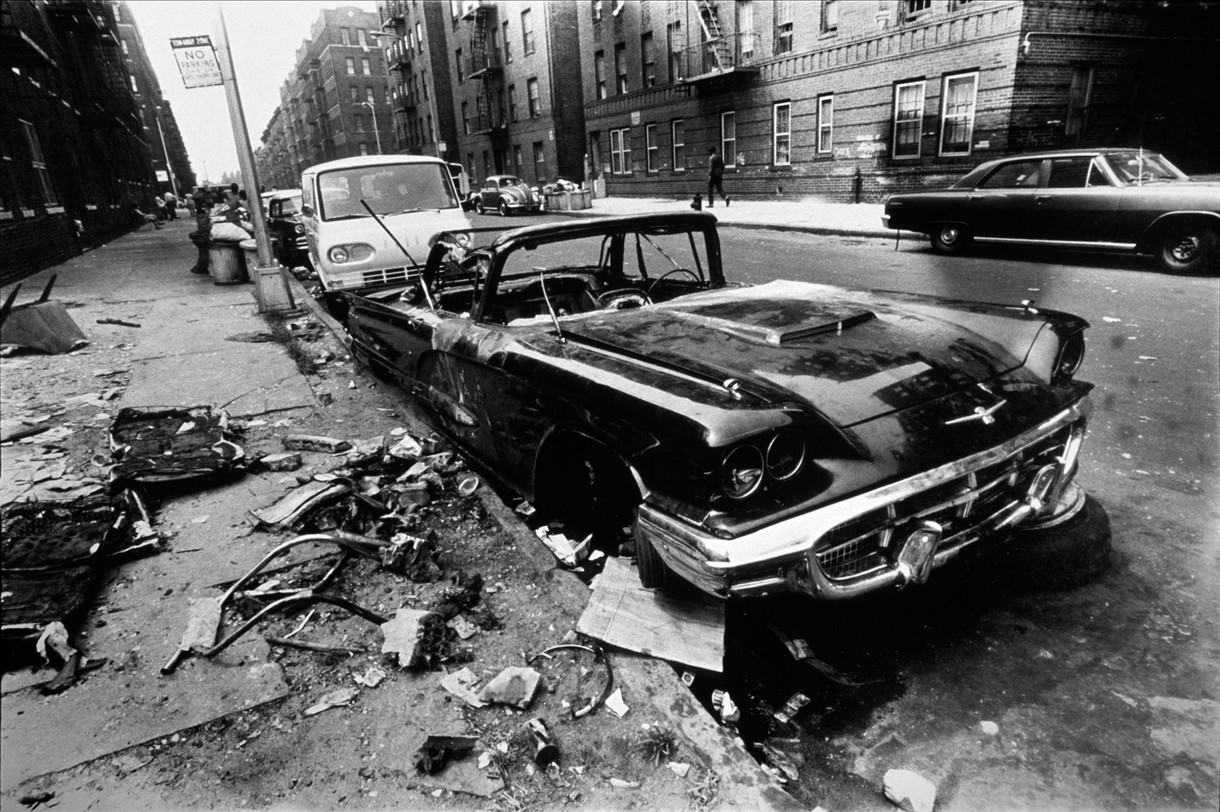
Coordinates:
x,y
388,189
1130,166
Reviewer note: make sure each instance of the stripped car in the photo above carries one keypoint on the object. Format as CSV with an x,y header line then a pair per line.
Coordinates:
x,y
788,436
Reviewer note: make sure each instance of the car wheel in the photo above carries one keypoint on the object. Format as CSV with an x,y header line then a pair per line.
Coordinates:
x,y
503,207
336,305
1065,551
653,572
1188,249
478,205
950,238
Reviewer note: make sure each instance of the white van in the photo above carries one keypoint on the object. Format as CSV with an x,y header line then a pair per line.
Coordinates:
x,y
414,197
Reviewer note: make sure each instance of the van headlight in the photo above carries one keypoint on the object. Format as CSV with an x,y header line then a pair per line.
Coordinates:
x,y
350,252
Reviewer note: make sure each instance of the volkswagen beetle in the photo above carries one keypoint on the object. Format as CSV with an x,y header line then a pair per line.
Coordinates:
x,y
506,194
788,436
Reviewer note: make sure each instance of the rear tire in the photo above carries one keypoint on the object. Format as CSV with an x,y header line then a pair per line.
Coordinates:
x,y
1065,552
1188,249
950,238
653,572
478,205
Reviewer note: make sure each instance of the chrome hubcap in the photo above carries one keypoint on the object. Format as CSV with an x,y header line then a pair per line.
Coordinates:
x,y
1185,249
948,235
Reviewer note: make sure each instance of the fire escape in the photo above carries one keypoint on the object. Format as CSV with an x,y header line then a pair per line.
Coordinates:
x,y
483,64
719,53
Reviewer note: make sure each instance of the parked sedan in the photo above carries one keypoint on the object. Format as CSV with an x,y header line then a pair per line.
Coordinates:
x,y
287,232
785,437
1111,199
506,194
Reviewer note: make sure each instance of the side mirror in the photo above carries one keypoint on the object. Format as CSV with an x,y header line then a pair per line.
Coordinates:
x,y
307,210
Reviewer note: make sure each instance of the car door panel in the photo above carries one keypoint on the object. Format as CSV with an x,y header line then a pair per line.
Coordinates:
x,y
1077,203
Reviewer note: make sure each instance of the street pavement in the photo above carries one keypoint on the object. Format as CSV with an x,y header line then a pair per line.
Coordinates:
x,y
183,353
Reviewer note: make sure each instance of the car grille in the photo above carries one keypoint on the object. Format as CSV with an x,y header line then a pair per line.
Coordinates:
x,y
384,276
962,506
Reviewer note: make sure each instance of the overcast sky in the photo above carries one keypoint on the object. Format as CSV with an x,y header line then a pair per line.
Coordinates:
x,y
264,36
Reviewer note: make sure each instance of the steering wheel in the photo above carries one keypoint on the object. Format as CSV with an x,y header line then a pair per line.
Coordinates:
x,y
1145,176
622,299
668,274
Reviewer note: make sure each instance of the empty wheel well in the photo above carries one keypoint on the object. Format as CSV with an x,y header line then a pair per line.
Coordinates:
x,y
1150,241
585,484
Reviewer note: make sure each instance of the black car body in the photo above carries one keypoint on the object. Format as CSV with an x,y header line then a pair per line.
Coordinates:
x,y
783,437
1110,199
288,240
506,194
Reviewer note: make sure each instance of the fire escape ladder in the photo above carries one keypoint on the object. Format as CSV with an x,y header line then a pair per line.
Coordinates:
x,y
709,19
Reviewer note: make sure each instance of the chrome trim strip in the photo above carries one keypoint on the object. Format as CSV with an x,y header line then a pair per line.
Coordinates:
x,y
1109,246
711,563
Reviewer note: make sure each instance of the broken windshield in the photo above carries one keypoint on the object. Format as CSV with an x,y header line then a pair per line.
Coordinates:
x,y
387,188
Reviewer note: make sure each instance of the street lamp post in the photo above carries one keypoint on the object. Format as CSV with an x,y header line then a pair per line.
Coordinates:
x,y
376,132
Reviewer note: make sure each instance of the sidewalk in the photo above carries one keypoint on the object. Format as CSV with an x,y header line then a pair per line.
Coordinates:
x,y
231,731
809,215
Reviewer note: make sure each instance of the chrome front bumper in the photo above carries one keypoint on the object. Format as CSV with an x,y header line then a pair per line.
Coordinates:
x,y
784,557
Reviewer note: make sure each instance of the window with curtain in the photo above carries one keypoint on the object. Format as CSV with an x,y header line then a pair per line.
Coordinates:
x,y
957,114
781,129
783,26
908,119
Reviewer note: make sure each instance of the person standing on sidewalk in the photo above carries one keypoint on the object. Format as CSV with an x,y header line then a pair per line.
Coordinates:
x,y
171,206
202,235
715,177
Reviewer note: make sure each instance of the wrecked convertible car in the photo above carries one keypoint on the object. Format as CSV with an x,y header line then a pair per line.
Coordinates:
x,y
781,437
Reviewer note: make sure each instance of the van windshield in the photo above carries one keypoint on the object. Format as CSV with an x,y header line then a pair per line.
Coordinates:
x,y
388,189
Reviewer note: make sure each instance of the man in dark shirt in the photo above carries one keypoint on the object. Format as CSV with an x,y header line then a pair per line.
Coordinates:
x,y
715,175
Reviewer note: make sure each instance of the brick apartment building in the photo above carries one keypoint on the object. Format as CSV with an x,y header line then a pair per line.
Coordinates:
x,y
336,104
170,163
502,78
73,146
854,100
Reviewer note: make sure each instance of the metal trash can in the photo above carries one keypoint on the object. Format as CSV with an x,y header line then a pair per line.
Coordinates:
x,y
226,263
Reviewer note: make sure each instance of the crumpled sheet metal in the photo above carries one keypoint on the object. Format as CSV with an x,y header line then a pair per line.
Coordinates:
x,y
42,325
172,446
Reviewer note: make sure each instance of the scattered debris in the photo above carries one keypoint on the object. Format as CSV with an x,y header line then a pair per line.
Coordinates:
x,y
404,635
599,656
202,626
678,768
42,325
461,684
463,627
616,704
546,752
118,322
801,652
437,751
281,461
568,553
782,765
157,447
371,678
791,708
468,485
413,557
516,686
909,790
622,613
338,698
619,783
989,728
306,442
725,706
36,799
287,510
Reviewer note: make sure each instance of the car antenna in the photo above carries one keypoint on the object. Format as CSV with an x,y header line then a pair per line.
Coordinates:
x,y
386,228
546,298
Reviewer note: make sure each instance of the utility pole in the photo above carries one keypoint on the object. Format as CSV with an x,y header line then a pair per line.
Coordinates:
x,y
169,167
376,133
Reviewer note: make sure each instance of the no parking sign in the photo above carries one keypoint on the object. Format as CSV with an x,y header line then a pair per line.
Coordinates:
x,y
196,61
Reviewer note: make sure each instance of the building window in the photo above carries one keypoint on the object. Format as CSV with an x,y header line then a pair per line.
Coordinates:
x,y
508,50
650,61
359,123
512,102
678,148
135,88
620,67
728,138
419,34
620,151
531,88
39,164
830,16
351,65
527,33
913,8
461,72
360,37
1080,95
673,45
599,74
364,148
423,81
826,123
517,166
466,118
781,138
745,27
908,119
957,114
539,162
597,11
650,147
355,93
368,95
365,68
345,34
783,27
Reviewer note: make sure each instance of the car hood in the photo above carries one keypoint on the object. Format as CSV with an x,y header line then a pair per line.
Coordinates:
x,y
850,355
521,194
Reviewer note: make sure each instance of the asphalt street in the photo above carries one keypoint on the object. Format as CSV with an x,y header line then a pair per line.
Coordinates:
x,y
1101,697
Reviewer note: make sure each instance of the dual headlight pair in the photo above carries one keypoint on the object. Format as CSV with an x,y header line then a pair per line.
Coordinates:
x,y
748,466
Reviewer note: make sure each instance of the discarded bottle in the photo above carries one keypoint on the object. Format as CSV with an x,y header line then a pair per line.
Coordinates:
x,y
791,708
545,750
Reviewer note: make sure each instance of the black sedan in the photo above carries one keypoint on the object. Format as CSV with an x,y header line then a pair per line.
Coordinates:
x,y
785,437
1109,199
506,194
287,232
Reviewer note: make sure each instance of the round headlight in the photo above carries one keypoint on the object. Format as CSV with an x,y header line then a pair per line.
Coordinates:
x,y
741,473
1071,355
338,254
785,455
300,229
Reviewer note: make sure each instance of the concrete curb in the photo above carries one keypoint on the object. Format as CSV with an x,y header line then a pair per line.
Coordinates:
x,y
743,785
752,226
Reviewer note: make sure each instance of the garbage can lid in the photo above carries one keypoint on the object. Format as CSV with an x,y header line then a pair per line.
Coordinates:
x,y
248,245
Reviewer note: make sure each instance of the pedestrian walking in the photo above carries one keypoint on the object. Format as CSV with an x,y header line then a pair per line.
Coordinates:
x,y
159,201
715,177
171,205
202,235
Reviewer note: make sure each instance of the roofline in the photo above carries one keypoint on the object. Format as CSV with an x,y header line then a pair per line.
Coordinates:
x,y
373,160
